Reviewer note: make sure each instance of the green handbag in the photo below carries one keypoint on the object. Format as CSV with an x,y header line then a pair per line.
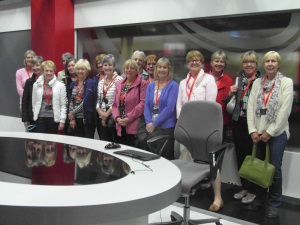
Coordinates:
x,y
258,171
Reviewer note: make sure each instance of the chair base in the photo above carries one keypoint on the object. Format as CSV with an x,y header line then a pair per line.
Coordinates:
x,y
177,219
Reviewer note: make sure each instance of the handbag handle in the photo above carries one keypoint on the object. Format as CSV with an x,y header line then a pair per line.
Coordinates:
x,y
267,158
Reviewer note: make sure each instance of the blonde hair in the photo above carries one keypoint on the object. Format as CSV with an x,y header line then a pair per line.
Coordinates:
x,y
83,63
48,63
219,55
194,53
272,54
130,62
163,61
251,55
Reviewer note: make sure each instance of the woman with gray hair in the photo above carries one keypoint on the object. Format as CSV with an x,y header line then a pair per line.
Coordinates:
x,y
64,58
106,92
27,114
140,58
24,73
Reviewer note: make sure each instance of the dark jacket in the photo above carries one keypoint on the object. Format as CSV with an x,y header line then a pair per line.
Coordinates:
x,y
237,109
89,99
27,113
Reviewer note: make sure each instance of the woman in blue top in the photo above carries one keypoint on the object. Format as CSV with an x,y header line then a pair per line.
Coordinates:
x,y
160,105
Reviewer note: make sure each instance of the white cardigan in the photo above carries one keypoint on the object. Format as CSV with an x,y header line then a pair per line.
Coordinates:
x,y
285,102
59,99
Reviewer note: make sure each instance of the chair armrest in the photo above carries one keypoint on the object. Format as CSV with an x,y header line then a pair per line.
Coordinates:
x,y
155,140
216,162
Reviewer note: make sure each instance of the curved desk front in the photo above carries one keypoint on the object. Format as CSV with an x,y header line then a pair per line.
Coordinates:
x,y
126,200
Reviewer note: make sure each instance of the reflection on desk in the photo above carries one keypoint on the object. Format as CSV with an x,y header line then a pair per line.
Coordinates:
x,y
92,166
111,194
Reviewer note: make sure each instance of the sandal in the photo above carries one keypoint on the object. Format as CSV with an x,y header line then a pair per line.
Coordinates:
x,y
240,194
216,208
248,198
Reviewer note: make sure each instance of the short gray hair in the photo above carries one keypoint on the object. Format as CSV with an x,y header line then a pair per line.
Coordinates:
x,y
28,52
139,53
109,58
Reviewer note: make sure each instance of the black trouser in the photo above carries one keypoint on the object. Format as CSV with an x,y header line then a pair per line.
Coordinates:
x,y
243,146
105,133
46,125
84,129
127,139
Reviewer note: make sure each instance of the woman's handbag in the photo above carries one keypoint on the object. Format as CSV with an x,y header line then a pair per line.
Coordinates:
x,y
110,122
258,171
231,104
142,133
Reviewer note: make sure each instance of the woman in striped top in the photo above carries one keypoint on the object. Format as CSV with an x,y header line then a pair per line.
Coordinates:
x,y
106,91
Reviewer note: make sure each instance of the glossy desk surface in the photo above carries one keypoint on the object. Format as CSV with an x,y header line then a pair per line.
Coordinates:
x,y
151,187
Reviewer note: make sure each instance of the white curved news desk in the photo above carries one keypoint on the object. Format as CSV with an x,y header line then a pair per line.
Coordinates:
x,y
123,201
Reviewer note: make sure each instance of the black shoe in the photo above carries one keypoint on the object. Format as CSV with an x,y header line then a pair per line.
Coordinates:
x,y
272,213
253,206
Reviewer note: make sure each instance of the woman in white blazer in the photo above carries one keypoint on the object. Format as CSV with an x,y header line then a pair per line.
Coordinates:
x,y
49,101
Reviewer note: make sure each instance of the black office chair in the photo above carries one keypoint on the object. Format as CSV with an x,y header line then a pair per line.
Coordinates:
x,y
157,144
199,128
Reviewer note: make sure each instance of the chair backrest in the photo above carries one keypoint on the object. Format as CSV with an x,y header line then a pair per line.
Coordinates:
x,y
200,128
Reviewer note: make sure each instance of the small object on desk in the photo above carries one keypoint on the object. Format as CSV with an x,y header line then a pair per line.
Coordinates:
x,y
144,156
112,145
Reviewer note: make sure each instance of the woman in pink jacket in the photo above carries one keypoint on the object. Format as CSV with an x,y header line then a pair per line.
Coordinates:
x,y
24,73
128,103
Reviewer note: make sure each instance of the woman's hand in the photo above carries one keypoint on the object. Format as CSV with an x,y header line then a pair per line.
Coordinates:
x,y
72,124
26,124
150,127
105,115
61,126
103,122
255,137
71,116
123,122
265,137
233,89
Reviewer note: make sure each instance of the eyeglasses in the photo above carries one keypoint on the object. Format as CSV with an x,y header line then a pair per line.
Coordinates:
x,y
151,64
194,61
251,62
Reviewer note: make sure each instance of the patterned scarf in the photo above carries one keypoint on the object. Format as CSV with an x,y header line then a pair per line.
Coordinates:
x,y
272,110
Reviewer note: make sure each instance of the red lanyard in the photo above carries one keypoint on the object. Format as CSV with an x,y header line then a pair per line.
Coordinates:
x,y
191,89
47,95
266,97
106,90
79,92
248,85
28,74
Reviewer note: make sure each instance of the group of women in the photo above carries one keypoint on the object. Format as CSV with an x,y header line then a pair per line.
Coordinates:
x,y
114,104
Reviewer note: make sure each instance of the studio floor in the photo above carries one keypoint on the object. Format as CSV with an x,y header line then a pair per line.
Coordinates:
x,y
234,213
